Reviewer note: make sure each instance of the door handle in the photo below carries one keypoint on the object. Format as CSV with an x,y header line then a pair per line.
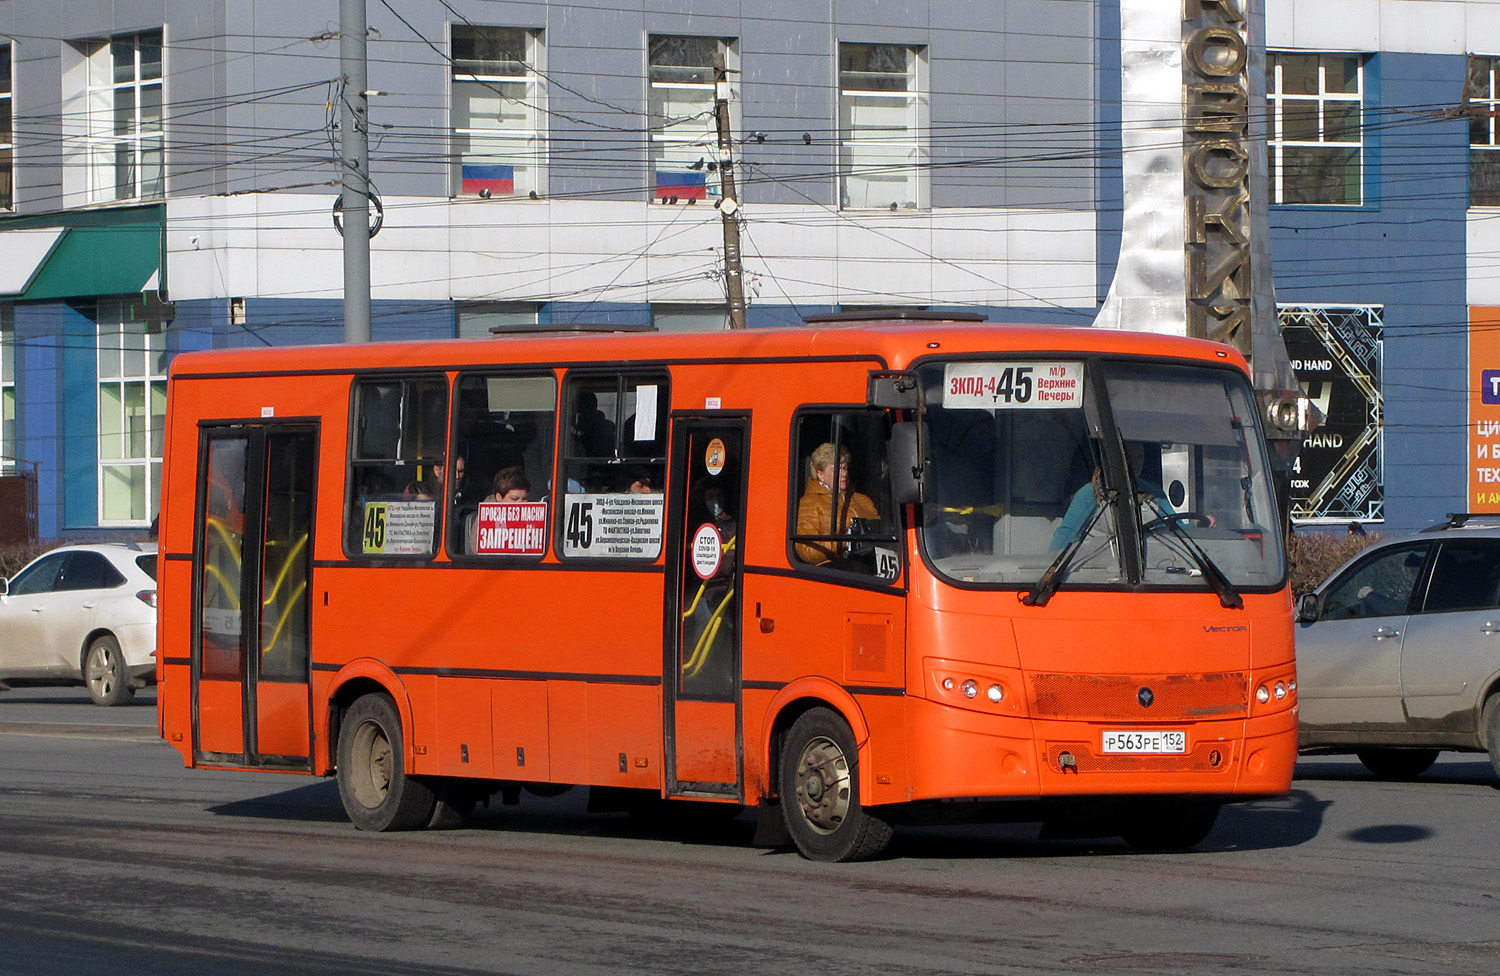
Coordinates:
x,y
1381,633
90,606
36,609
1490,627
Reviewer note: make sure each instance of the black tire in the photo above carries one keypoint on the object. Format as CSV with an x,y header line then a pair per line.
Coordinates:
x,y
454,800
105,674
1169,824
377,793
1397,763
819,787
1492,731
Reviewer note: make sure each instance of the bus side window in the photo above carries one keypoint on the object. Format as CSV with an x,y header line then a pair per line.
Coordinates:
x,y
504,432
842,517
614,465
397,466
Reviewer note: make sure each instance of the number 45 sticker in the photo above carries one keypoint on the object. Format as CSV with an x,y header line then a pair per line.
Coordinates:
x,y
887,566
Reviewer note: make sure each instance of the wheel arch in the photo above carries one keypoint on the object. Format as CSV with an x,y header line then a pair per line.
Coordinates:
x,y
352,682
798,698
88,642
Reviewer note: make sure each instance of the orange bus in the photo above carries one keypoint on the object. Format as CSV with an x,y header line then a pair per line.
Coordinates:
x,y
856,574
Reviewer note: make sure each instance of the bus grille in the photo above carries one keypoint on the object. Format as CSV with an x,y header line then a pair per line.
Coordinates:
x,y
1206,757
1175,697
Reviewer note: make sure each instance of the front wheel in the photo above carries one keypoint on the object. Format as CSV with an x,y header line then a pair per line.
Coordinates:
x,y
819,786
104,672
377,792
1397,763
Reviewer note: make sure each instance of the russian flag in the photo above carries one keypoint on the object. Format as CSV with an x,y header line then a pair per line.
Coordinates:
x,y
683,186
499,180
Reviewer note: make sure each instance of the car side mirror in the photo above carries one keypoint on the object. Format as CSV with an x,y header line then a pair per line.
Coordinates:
x,y
4,586
1309,608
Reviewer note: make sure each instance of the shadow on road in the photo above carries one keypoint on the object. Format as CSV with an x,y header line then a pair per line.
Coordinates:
x,y
1262,825
1455,772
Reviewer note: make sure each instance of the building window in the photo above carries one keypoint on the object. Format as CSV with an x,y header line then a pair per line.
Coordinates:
x,y
497,111
1316,111
683,127
476,319
7,137
689,318
132,412
882,146
122,117
7,381
1484,132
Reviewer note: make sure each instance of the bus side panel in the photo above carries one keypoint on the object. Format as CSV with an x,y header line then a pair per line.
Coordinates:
x,y
520,730
173,672
625,739
884,769
568,730
464,730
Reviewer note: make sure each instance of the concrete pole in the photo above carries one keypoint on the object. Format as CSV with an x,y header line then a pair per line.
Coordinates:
x,y
734,274
354,148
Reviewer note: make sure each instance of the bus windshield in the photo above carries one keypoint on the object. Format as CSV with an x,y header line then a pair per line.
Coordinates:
x,y
1036,463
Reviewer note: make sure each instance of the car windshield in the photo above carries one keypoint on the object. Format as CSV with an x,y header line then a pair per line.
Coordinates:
x,y
1036,462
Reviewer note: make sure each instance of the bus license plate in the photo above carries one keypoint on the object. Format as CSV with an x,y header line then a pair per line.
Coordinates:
x,y
1158,742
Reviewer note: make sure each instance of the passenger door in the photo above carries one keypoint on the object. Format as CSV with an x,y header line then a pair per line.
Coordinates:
x,y
1452,647
27,616
253,573
1349,660
702,679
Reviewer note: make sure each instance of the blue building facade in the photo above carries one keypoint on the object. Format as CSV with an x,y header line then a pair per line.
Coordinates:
x,y
887,155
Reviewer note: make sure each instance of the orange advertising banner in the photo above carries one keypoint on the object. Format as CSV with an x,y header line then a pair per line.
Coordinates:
x,y
1484,409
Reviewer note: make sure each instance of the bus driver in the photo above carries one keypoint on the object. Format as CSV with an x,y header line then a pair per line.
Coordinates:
x,y
815,509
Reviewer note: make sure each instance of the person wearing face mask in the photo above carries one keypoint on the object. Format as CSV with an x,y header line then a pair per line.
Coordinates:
x,y
815,510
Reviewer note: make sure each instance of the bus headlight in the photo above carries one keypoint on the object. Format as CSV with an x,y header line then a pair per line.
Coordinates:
x,y
970,688
995,693
1263,694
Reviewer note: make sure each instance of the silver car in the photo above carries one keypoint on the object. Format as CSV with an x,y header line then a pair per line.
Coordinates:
x,y
1398,652
82,614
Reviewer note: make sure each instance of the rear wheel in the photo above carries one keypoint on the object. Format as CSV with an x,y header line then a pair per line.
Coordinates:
x,y
377,793
819,786
1492,731
1169,824
104,672
1397,763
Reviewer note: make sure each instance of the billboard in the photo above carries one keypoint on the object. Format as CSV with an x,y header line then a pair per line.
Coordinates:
x,y
1336,352
1484,410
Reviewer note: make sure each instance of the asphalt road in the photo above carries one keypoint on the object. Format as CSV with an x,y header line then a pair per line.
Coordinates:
x,y
116,860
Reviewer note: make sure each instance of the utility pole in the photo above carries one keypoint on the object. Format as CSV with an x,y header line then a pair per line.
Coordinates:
x,y
729,205
354,150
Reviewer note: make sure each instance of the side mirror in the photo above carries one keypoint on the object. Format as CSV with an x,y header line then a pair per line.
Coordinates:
x,y
1309,608
905,462
4,586
894,390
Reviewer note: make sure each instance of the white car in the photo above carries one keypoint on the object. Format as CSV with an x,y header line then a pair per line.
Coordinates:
x,y
82,614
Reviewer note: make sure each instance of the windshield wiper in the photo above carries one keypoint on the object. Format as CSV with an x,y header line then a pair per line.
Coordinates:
x,y
1040,593
1228,596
